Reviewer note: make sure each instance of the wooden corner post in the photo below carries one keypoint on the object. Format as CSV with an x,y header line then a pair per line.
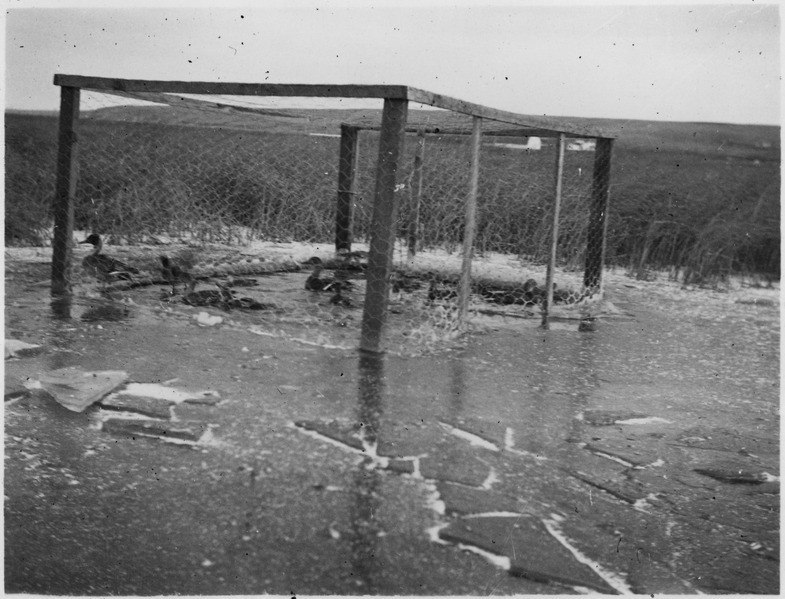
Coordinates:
x,y
347,169
65,191
382,231
416,196
598,216
470,222
546,305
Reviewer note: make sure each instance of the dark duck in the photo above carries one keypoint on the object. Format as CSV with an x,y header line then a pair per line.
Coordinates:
x,y
536,294
221,297
338,299
441,290
173,274
105,268
404,282
314,282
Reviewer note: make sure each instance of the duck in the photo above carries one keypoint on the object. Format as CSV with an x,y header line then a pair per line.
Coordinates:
x,y
337,299
232,281
505,296
357,260
561,295
536,294
441,291
249,303
404,282
173,274
105,268
314,282
221,297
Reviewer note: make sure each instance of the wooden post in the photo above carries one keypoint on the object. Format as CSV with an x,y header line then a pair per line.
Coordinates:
x,y
548,302
470,223
347,169
598,216
65,191
416,195
380,256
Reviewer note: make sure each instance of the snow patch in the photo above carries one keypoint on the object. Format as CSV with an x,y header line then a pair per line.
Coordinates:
x,y
613,579
369,450
157,391
646,420
500,561
608,456
100,416
470,437
377,461
206,320
433,533
433,501
494,515
642,504
509,445
326,439
493,477
322,344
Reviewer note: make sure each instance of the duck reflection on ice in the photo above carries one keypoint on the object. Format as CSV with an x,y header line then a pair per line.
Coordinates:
x,y
367,479
95,310
106,311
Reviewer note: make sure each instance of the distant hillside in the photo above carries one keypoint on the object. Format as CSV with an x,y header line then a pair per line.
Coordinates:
x,y
760,142
748,141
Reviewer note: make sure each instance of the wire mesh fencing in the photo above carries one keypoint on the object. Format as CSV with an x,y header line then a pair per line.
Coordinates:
x,y
227,200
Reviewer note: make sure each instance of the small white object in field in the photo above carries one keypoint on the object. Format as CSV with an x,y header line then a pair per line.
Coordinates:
x,y
206,320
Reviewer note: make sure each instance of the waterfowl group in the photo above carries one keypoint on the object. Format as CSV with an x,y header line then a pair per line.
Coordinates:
x,y
105,268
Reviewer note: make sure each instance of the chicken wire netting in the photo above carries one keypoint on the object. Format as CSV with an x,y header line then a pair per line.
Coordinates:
x,y
241,203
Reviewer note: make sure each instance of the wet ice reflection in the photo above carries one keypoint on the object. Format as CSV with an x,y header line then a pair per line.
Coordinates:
x,y
367,479
61,307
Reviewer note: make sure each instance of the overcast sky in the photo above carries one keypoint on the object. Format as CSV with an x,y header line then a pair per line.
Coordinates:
x,y
716,62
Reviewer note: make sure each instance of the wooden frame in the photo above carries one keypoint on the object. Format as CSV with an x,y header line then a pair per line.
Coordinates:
x,y
393,127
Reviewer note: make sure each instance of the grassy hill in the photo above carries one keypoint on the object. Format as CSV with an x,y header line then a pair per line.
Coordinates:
x,y
632,134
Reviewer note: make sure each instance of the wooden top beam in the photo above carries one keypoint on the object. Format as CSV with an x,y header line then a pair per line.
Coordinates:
x,y
556,126
519,132
392,92
395,92
179,101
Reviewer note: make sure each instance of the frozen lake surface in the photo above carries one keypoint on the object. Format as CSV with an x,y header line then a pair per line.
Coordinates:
x,y
643,456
